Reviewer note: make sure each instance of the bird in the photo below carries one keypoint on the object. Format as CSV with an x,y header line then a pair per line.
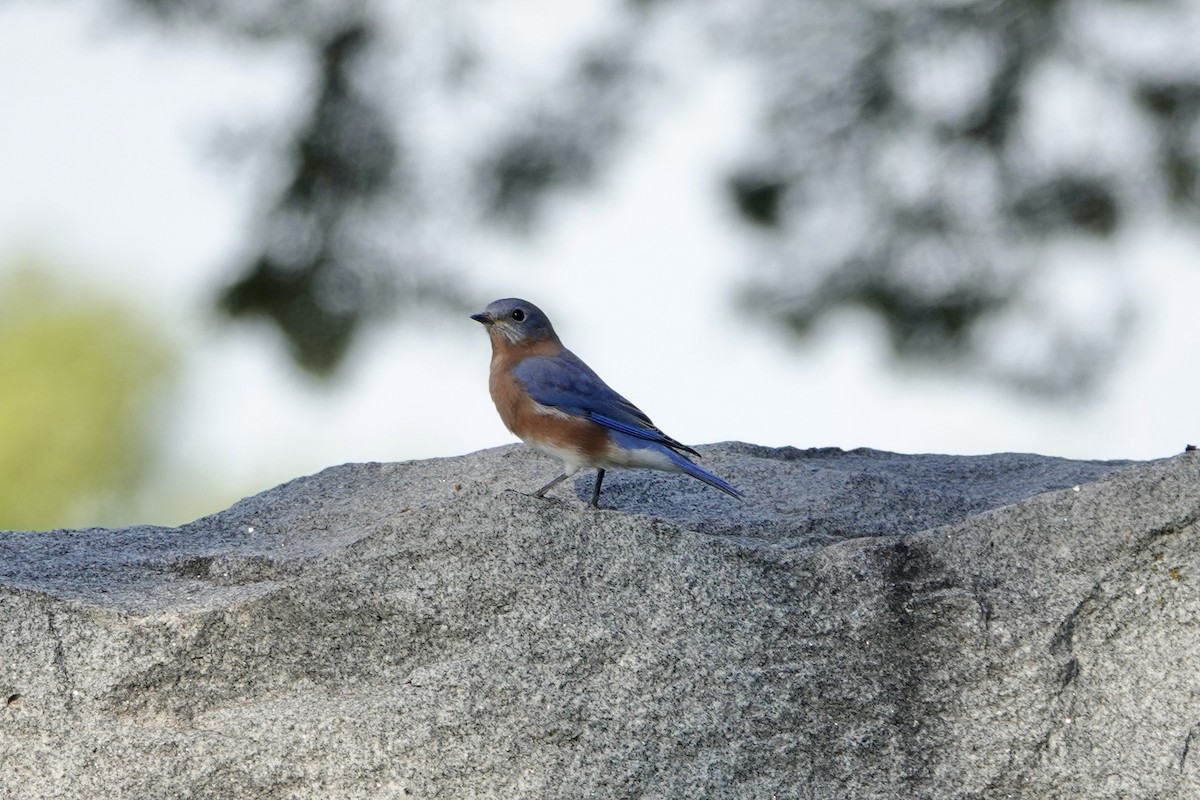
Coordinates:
x,y
554,402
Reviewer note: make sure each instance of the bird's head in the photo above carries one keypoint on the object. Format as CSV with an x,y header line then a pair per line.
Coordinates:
x,y
516,321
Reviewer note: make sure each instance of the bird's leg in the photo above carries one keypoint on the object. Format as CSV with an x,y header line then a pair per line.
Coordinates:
x,y
542,491
596,491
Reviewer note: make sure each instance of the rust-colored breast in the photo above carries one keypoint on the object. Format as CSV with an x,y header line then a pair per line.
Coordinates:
x,y
552,432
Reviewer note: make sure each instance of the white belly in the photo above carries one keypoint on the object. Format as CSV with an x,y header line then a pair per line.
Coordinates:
x,y
614,458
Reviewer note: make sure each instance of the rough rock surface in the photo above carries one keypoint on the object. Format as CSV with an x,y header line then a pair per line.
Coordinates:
x,y
866,625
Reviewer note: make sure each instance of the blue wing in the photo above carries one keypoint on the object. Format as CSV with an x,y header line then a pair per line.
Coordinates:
x,y
566,383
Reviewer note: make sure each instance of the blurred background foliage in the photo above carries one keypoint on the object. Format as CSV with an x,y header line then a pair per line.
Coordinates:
x,y
923,161
903,164
79,374
917,160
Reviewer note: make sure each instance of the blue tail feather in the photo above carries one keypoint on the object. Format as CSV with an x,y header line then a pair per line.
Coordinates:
x,y
702,474
678,461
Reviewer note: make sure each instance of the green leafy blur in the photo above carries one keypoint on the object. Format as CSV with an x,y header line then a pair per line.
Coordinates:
x,y
79,375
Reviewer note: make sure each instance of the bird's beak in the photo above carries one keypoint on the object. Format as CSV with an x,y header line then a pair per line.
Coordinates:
x,y
482,317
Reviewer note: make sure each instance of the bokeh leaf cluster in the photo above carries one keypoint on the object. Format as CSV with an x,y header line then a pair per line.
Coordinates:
x,y
926,162
77,381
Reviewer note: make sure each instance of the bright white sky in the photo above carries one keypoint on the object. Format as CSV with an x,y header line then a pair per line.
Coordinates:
x,y
101,154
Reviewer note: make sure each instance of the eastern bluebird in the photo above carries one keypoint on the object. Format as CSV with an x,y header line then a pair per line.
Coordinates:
x,y
557,405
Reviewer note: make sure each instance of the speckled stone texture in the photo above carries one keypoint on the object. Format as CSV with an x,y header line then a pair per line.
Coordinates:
x,y
865,625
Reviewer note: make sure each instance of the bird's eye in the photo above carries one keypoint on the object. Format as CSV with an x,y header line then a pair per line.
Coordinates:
x,y
518,315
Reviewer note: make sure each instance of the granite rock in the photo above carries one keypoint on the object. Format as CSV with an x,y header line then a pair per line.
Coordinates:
x,y
864,625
